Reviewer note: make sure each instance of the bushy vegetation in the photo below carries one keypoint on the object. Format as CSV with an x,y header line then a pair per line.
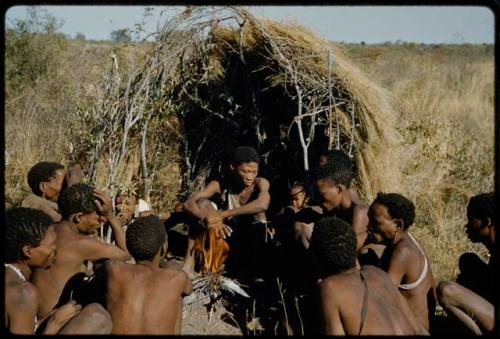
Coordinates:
x,y
444,95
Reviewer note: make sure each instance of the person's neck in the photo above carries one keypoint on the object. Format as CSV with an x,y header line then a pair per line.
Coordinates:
x,y
346,202
24,268
351,270
155,263
73,227
399,237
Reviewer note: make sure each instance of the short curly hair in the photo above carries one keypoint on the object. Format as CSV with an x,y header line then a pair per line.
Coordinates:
x,y
75,199
398,207
42,172
337,156
481,206
334,245
245,154
23,227
336,172
145,236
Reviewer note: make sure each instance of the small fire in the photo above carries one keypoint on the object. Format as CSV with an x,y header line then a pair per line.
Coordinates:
x,y
213,251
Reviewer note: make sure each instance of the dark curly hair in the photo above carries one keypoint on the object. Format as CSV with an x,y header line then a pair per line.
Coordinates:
x,y
481,206
398,207
336,172
42,172
145,236
334,246
23,227
335,155
75,199
245,154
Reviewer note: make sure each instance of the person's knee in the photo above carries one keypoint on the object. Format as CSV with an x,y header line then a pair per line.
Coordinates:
x,y
99,317
205,204
445,292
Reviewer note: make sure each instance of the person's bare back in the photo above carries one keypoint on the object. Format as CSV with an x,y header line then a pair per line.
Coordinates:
x,y
143,299
385,315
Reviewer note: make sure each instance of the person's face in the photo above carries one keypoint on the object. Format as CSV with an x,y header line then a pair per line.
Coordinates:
x,y
89,222
298,195
477,230
125,207
330,193
44,254
322,160
247,172
382,228
51,189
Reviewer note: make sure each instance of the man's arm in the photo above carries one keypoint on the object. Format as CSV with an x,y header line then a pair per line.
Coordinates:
x,y
21,309
419,330
191,205
253,207
360,224
90,248
105,206
398,265
332,324
188,285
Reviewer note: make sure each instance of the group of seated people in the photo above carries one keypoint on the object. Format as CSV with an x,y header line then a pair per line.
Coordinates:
x,y
355,268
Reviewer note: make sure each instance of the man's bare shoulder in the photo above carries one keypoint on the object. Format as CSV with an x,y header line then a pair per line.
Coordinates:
x,y
20,294
260,181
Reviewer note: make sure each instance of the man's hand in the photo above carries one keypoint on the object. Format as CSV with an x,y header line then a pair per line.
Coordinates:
x,y
61,316
104,203
214,219
74,175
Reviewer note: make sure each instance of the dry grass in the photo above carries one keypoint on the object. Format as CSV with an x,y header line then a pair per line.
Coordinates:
x,y
445,96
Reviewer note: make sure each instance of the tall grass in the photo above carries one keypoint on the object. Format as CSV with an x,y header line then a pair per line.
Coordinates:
x,y
445,98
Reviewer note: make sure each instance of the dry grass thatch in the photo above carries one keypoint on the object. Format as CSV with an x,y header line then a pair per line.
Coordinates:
x,y
218,77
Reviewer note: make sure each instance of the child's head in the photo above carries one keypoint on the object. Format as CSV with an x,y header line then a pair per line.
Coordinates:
x,y
125,206
334,245
77,204
145,238
298,195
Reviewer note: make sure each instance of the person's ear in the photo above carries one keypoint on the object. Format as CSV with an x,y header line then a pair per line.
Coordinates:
x,y
488,222
43,187
27,251
163,250
76,218
399,223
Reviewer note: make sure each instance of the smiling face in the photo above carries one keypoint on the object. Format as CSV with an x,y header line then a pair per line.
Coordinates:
x,y
247,172
51,189
45,253
382,228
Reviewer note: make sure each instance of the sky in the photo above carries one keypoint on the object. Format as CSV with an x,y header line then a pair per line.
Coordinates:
x,y
370,24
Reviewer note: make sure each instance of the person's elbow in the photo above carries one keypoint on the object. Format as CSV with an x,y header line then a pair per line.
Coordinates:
x,y
264,204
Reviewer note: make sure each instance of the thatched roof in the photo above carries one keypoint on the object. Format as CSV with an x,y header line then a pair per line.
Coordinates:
x,y
218,77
